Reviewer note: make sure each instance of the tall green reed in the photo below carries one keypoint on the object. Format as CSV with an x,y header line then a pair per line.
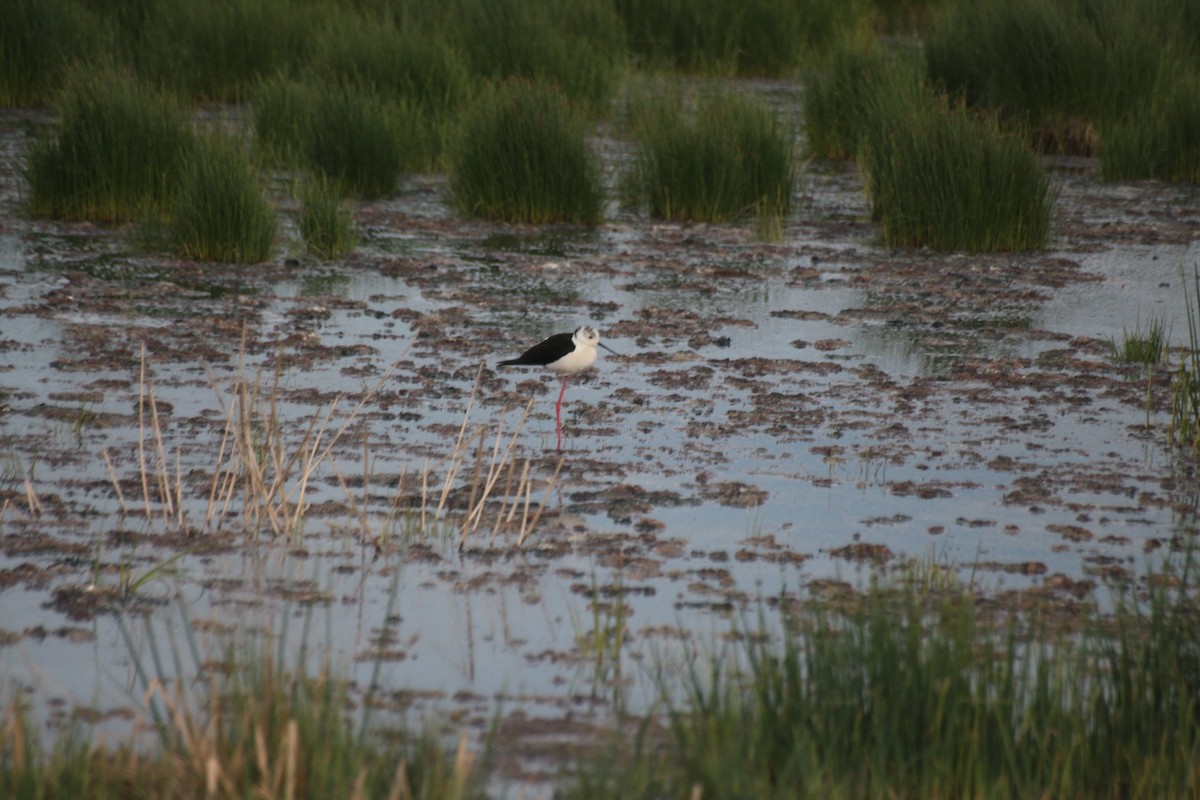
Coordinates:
x,y
1156,138
218,50
394,63
756,38
576,45
942,177
522,155
354,140
117,153
281,110
1027,59
326,223
723,158
39,40
838,98
220,212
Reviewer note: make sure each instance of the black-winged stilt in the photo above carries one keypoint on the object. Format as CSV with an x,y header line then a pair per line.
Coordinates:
x,y
565,353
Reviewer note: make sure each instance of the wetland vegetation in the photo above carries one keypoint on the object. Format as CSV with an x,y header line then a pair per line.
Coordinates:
x,y
200,153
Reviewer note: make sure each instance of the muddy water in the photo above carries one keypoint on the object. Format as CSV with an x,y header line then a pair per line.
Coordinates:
x,y
784,418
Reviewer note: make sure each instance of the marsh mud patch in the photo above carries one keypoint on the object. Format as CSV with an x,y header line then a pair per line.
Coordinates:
x,y
783,418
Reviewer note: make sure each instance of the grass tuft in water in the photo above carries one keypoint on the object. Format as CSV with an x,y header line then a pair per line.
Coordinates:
x,y
837,99
522,156
220,213
574,45
1026,59
723,159
353,139
943,177
326,222
280,111
117,153
1157,138
402,66
216,50
39,39
1142,345
755,38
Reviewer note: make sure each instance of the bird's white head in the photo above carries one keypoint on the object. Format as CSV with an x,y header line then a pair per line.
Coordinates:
x,y
587,336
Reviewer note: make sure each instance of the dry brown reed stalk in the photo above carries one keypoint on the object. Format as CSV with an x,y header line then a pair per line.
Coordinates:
x,y
157,483
490,458
272,477
262,478
31,499
491,464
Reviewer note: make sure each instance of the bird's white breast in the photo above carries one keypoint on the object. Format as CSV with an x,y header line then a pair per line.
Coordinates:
x,y
579,359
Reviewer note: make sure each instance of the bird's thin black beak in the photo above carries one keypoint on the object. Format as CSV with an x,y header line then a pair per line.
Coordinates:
x,y
606,347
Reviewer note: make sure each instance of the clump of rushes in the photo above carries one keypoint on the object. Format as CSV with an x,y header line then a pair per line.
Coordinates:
x,y
39,38
353,140
942,177
326,223
217,50
220,213
1026,59
723,158
522,155
576,45
1158,138
837,99
280,111
1142,346
116,155
753,38
399,65
422,77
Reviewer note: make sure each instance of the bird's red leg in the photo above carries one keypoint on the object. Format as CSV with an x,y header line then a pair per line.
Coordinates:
x,y
558,411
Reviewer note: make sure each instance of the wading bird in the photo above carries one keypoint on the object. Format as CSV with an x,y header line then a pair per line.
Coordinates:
x,y
566,354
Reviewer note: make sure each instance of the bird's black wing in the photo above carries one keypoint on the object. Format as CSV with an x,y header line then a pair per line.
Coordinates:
x,y
544,352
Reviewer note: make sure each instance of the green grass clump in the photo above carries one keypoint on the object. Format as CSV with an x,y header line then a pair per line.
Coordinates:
x,y
908,695
217,50
116,155
354,139
281,110
403,66
1029,59
838,99
326,223
1158,138
220,213
945,178
755,38
576,45
1142,346
522,155
722,159
38,41
1063,69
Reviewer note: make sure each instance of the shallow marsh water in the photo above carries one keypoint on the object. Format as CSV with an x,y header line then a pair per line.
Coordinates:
x,y
785,417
